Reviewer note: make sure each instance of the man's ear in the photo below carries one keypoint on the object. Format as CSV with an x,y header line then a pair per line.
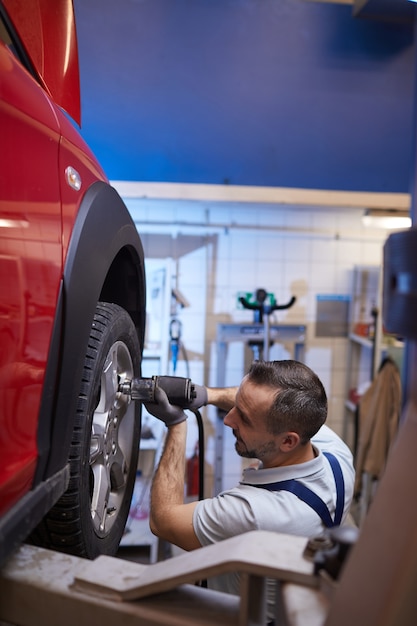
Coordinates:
x,y
289,441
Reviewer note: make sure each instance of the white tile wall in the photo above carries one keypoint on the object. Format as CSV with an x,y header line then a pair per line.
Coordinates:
x,y
221,249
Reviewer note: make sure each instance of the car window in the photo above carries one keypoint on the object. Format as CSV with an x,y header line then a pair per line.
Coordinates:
x,y
5,36
13,45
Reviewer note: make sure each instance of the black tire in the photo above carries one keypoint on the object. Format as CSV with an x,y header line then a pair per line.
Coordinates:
x,y
90,518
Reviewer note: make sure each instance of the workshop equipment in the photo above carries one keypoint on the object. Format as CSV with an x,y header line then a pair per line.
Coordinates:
x,y
263,306
180,391
37,585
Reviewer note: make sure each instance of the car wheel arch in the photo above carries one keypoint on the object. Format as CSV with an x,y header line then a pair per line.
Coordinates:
x,y
104,241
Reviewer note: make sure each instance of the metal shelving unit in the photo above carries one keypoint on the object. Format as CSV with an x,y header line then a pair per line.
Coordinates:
x,y
367,345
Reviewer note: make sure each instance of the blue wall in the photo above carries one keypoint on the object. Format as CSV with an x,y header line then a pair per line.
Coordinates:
x,y
247,92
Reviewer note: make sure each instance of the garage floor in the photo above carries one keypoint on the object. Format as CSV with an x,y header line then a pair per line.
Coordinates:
x,y
138,554
142,554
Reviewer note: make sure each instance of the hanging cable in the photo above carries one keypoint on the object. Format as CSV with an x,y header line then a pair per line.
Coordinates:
x,y
175,336
201,460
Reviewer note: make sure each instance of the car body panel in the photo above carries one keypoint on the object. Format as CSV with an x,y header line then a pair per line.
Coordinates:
x,y
74,153
30,266
48,32
62,248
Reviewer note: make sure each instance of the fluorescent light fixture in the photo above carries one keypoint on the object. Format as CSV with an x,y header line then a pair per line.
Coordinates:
x,y
391,219
412,0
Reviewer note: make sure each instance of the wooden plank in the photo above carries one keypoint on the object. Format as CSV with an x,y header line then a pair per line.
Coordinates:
x,y
260,553
38,585
35,590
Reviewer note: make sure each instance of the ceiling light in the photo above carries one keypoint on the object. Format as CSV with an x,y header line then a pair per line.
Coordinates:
x,y
386,218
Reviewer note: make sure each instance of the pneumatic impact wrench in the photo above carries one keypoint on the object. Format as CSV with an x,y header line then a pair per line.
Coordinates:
x,y
180,391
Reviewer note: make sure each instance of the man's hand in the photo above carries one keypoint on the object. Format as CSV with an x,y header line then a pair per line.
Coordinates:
x,y
165,411
200,399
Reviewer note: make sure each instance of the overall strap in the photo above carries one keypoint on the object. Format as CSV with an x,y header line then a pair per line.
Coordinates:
x,y
313,500
340,487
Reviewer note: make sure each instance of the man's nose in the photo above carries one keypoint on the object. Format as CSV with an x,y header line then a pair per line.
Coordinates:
x,y
228,420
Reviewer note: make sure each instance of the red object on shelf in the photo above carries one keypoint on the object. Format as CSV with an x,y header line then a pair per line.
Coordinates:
x,y
362,329
354,396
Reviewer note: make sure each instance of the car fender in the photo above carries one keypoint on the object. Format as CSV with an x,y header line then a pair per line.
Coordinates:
x,y
104,261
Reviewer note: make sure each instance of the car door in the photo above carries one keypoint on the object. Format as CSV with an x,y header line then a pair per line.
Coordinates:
x,y
30,263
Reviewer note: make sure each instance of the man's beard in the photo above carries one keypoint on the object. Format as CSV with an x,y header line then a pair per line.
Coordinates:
x,y
244,452
254,453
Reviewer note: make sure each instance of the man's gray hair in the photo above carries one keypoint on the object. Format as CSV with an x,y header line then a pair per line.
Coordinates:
x,y
300,404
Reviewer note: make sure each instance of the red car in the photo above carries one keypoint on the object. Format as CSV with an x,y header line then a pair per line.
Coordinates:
x,y
72,303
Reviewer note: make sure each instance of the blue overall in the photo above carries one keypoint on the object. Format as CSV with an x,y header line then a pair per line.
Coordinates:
x,y
313,500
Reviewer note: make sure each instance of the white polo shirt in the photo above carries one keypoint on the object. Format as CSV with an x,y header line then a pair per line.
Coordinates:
x,y
246,507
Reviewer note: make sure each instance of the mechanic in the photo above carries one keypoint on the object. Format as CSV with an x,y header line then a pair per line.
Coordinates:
x,y
277,415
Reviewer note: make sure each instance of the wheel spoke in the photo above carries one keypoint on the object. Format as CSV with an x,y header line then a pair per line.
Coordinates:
x,y
118,471
101,494
97,441
109,382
